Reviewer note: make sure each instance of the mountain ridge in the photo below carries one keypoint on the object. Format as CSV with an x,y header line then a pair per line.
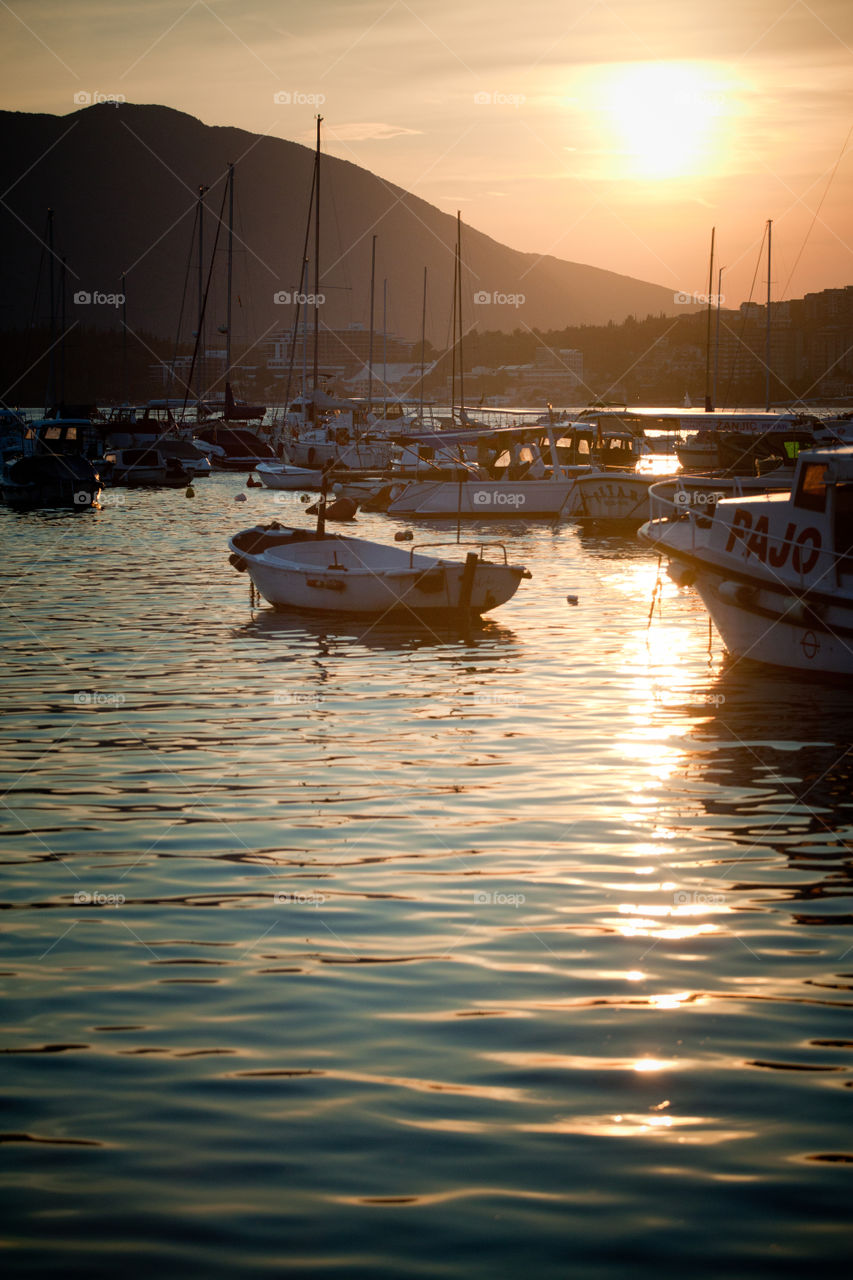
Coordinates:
x,y
122,180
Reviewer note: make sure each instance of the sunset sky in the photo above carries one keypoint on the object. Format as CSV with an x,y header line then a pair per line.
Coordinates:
x,y
614,134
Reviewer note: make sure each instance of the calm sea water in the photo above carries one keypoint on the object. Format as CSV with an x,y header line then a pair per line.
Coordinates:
x,y
339,950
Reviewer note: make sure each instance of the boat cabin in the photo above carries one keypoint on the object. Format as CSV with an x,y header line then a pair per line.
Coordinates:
x,y
617,449
804,534
70,436
824,486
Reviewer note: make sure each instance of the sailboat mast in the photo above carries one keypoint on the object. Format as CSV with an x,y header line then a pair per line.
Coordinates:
x,y
717,337
423,348
230,273
316,370
124,391
63,322
459,289
709,403
767,326
384,348
302,285
51,367
200,336
453,344
370,343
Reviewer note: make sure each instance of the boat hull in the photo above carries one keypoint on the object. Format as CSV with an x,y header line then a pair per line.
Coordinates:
x,y
812,643
610,497
245,464
281,476
355,456
483,499
27,497
43,481
778,620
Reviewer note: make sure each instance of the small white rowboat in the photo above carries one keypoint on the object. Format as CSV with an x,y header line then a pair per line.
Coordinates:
x,y
280,475
305,569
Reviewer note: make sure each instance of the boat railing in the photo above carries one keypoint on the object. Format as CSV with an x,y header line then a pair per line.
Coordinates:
x,y
482,547
675,499
672,501
695,497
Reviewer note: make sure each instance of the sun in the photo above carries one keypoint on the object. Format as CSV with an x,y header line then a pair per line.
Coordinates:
x,y
665,118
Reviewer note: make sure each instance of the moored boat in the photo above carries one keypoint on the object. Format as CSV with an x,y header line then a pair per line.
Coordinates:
x,y
332,573
775,571
481,498
41,480
145,468
526,472
281,475
610,495
236,448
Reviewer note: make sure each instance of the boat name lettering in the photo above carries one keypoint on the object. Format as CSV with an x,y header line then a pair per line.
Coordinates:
x,y
803,546
611,490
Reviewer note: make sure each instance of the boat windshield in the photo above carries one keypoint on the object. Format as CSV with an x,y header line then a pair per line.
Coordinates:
x,y
811,490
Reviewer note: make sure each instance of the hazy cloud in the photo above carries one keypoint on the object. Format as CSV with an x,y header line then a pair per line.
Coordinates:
x,y
368,132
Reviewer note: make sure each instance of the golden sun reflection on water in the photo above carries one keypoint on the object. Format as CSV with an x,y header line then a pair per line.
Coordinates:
x,y
663,708
578,1062
692,1130
645,928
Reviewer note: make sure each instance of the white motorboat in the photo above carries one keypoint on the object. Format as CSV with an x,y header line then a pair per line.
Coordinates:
x,y
281,475
144,468
536,467
339,442
610,495
315,570
481,498
625,495
775,571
